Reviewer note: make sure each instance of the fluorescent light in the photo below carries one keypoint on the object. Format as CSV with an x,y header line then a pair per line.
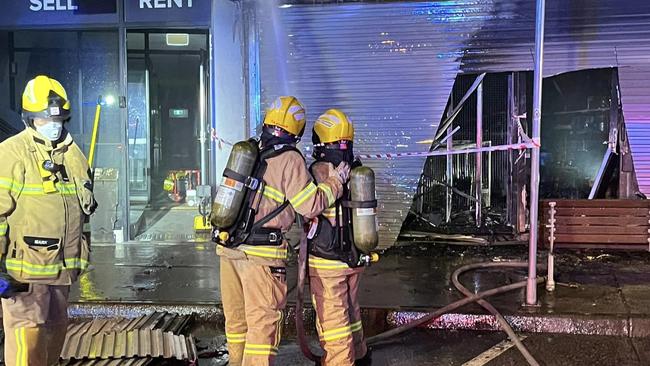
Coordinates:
x,y
178,39
285,6
110,100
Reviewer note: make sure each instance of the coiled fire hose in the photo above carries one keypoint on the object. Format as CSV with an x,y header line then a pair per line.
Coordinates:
x,y
303,258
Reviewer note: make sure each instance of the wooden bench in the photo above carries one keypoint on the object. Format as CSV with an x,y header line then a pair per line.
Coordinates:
x,y
593,224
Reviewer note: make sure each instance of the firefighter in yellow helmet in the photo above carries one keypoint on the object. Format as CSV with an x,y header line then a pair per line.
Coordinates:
x,y
252,264
45,197
334,261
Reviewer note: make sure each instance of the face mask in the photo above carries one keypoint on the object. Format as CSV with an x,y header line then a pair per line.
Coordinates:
x,y
270,137
51,131
334,156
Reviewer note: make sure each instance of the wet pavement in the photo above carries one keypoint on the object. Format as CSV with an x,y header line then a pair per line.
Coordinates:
x,y
458,348
151,273
471,348
598,293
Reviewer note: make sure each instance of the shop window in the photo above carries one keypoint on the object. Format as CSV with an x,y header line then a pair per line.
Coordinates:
x,y
87,64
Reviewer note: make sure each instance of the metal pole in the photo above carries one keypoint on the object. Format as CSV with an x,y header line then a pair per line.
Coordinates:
x,y
488,200
202,132
450,167
531,288
148,140
121,227
479,156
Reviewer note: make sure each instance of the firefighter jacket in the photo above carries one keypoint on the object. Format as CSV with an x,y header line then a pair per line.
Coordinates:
x,y
324,267
286,178
42,212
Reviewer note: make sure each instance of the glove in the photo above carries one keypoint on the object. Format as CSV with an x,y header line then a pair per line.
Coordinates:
x,y
341,172
9,287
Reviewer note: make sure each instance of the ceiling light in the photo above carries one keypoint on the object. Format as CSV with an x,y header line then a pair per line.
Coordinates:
x,y
178,39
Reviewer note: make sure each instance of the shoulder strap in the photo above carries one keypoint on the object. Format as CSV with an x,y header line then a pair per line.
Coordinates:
x,y
267,153
270,216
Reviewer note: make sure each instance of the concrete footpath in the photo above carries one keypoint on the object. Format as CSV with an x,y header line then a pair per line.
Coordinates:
x,y
598,294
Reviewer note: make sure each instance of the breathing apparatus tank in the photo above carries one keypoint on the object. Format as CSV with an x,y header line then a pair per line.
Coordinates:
x,y
364,209
231,191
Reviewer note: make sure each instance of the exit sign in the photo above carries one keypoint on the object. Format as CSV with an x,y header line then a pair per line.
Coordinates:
x,y
178,113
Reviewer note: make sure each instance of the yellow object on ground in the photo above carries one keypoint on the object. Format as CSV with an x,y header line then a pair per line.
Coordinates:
x,y
202,223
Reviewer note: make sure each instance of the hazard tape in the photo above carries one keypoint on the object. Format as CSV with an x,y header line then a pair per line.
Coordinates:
x,y
519,146
526,144
219,140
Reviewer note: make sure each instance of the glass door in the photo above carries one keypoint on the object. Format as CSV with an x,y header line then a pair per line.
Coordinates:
x,y
138,124
167,117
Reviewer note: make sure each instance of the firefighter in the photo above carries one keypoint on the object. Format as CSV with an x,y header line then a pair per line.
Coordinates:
x,y
334,261
45,198
253,274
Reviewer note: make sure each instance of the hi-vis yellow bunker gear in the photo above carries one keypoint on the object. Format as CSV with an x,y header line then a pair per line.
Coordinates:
x,y
45,197
253,273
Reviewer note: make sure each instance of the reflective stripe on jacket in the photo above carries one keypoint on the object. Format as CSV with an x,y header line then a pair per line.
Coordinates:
x,y
42,212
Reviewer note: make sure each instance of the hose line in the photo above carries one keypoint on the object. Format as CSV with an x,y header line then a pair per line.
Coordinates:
x,y
470,297
303,258
487,306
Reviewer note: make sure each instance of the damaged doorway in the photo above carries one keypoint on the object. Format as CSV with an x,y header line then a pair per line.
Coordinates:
x,y
167,114
580,125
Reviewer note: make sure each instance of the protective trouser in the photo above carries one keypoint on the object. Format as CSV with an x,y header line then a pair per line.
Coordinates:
x,y
338,317
254,297
35,325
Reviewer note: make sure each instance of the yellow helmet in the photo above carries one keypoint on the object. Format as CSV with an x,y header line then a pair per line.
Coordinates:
x,y
288,114
332,126
45,98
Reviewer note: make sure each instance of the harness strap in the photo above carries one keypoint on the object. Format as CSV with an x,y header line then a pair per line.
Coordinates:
x,y
254,233
250,182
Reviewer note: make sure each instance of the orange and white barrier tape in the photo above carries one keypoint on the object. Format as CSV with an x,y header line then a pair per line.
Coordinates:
x,y
520,146
219,140
526,144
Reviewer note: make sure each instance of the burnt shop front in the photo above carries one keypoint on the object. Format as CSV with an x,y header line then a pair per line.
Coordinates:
x,y
159,77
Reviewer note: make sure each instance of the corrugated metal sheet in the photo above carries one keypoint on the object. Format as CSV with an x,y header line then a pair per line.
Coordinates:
x,y
635,97
580,34
136,341
384,67
391,65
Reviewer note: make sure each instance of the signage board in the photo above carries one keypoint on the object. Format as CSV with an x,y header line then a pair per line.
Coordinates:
x,y
43,13
173,11
58,12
